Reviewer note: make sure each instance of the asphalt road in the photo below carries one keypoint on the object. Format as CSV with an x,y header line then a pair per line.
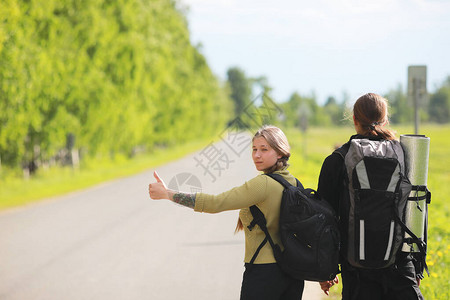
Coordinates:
x,y
112,242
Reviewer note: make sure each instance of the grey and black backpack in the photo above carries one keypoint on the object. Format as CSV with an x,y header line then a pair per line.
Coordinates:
x,y
378,191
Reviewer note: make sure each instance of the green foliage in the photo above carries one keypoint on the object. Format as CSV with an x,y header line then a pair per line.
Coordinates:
x,y
303,112
309,149
334,110
439,108
241,89
117,74
437,286
401,111
436,109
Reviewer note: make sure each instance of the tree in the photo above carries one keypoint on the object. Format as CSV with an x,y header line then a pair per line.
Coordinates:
x,y
439,109
333,110
401,111
241,89
118,75
298,108
267,110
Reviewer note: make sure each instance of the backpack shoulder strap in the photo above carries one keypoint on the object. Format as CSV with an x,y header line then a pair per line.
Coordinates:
x,y
260,220
342,151
282,181
414,239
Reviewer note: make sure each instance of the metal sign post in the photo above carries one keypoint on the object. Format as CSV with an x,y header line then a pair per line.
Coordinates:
x,y
417,90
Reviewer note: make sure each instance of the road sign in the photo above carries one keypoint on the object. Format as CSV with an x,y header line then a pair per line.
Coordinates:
x,y
417,80
417,89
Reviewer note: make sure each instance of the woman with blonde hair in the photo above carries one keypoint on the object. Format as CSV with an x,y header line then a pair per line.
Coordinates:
x,y
263,279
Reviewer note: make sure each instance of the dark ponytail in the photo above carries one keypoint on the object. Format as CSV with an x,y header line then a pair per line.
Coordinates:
x,y
371,112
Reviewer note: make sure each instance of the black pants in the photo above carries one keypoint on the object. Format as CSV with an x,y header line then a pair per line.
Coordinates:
x,y
394,283
268,282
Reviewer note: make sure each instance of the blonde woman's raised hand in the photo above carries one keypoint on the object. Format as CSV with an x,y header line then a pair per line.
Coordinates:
x,y
158,189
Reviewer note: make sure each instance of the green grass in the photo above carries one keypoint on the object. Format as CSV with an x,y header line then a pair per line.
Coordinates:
x,y
320,142
16,191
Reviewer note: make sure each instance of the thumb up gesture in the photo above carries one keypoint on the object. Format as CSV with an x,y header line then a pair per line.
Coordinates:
x,y
158,189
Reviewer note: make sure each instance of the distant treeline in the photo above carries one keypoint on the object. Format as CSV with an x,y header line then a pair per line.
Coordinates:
x,y
302,111
113,76
435,107
102,77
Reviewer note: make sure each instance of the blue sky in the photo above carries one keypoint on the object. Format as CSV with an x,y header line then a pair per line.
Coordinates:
x,y
324,46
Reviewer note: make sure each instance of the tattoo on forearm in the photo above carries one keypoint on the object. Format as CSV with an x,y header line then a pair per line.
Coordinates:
x,y
184,199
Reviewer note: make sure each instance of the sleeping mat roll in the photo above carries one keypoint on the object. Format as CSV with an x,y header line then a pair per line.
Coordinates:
x,y
416,149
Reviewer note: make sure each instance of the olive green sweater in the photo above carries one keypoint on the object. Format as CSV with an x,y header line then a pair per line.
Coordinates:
x,y
266,194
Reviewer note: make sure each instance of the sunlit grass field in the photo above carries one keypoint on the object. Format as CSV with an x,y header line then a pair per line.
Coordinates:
x,y
320,142
308,152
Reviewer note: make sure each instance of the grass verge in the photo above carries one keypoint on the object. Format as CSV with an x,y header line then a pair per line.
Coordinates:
x,y
16,191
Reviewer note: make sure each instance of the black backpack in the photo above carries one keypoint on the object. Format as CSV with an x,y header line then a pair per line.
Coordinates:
x,y
309,233
378,192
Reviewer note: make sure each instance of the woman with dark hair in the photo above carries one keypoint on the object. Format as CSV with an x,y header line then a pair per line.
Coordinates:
x,y
263,279
398,281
